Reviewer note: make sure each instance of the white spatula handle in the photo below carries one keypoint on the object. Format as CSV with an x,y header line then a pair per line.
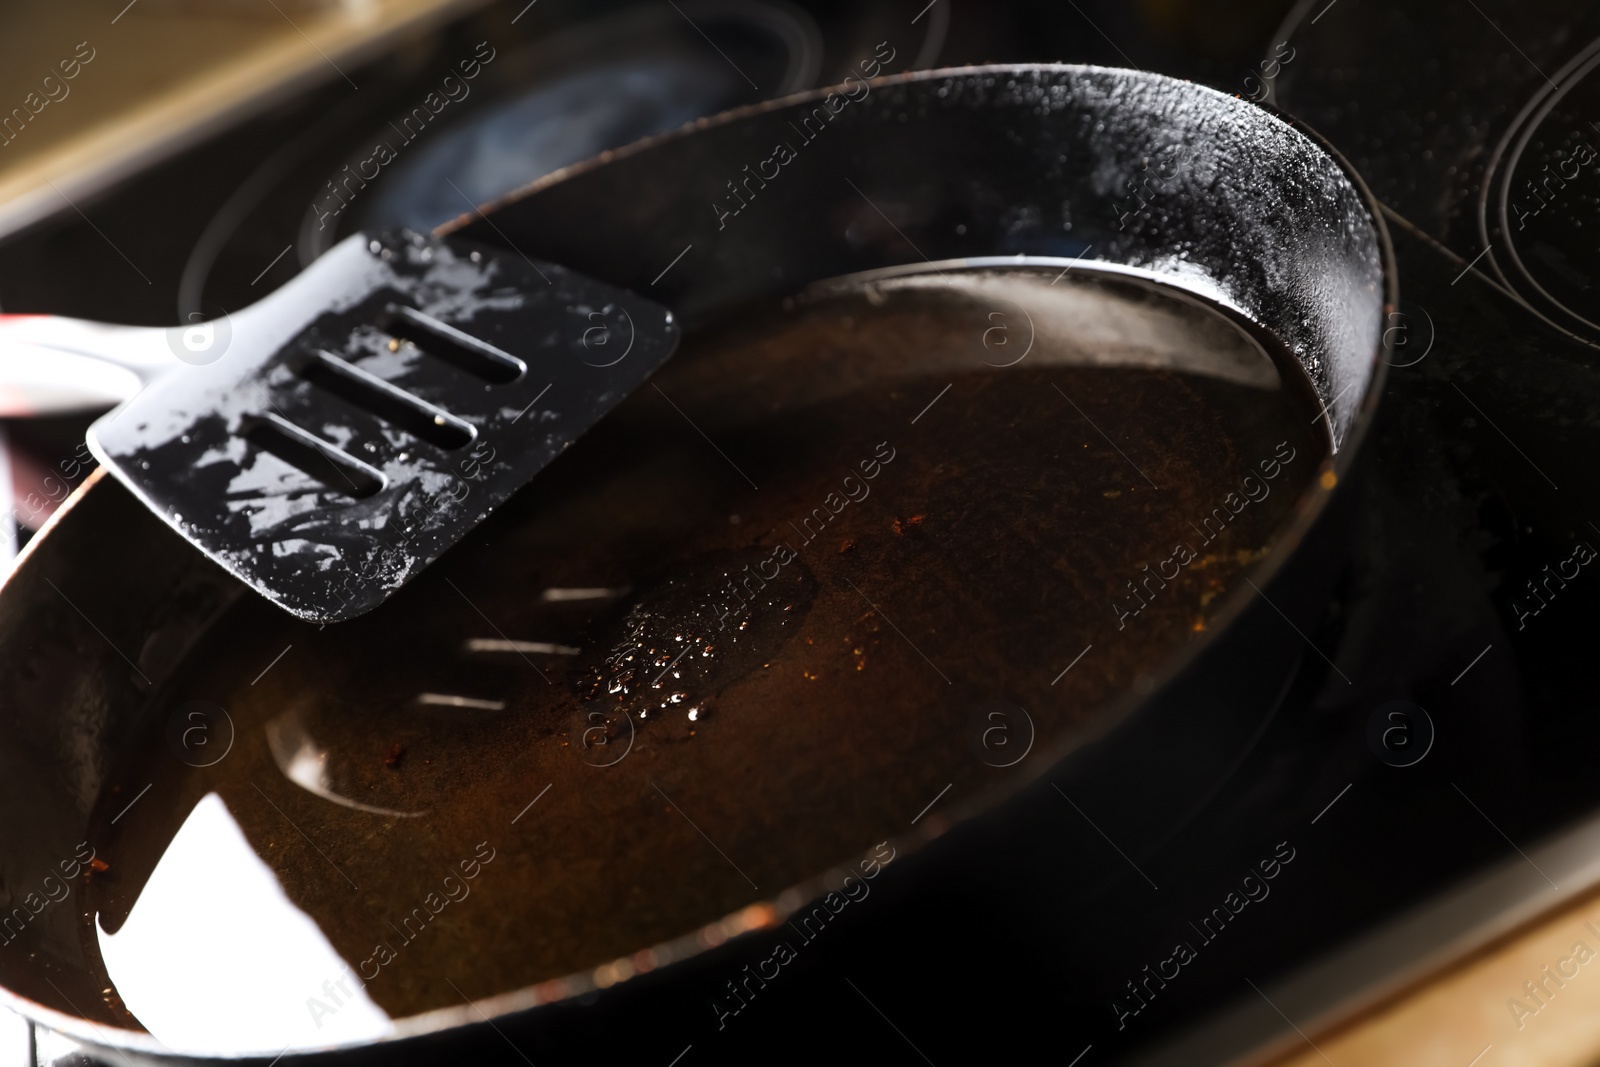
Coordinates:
x,y
52,366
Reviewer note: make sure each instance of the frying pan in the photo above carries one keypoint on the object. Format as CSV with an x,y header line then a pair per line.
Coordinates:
x,y
1252,214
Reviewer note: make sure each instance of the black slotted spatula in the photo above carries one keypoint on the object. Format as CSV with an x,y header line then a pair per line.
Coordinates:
x,y
345,431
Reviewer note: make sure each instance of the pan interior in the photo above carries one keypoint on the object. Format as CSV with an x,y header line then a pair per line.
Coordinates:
x,y
888,542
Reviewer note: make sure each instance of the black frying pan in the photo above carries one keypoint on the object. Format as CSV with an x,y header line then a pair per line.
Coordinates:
x,y
1248,214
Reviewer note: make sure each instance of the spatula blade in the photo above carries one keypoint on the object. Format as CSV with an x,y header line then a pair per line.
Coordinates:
x,y
364,418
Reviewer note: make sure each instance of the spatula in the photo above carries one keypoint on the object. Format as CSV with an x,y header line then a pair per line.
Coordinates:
x,y
329,442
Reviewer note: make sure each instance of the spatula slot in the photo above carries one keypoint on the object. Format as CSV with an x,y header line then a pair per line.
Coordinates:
x,y
312,456
393,405
455,347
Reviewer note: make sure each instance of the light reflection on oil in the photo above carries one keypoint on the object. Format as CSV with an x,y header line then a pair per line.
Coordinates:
x,y
215,957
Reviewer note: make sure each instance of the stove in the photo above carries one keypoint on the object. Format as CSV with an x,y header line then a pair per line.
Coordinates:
x,y
1420,793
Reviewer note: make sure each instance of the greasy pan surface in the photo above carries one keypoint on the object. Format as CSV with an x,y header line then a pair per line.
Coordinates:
x,y
1232,204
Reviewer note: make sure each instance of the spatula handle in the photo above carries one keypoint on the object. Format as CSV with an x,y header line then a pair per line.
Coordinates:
x,y
51,365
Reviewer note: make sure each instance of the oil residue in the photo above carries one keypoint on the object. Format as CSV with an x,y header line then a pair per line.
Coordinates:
x,y
963,481
689,634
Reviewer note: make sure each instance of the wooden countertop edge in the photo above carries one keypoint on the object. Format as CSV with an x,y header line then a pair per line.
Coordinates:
x,y
1389,1002
174,120
1360,981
